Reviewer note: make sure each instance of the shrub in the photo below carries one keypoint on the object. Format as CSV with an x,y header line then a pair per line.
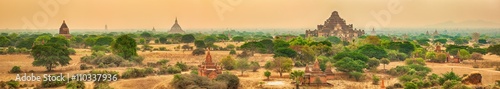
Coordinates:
x,y
101,65
419,61
232,80
75,85
162,70
195,72
477,56
84,67
162,62
356,75
228,63
135,73
267,74
163,48
137,59
373,63
410,85
71,51
126,64
2,84
15,69
449,76
254,65
54,83
173,70
440,58
108,59
13,84
232,52
190,81
102,86
182,66
375,80
198,51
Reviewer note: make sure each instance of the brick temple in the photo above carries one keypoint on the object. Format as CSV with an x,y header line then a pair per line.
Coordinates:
x,y
208,68
64,30
336,26
311,76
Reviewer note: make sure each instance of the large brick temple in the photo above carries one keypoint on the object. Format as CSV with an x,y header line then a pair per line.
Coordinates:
x,y
336,26
208,68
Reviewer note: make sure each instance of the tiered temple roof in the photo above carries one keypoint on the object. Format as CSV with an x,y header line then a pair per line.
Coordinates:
x,y
64,30
335,26
208,68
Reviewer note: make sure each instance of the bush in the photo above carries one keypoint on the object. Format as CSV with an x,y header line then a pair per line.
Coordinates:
x,y
232,80
356,75
71,51
410,85
13,84
232,52
375,80
197,52
228,63
84,67
108,59
137,59
477,56
182,66
173,70
373,63
299,64
126,64
418,61
190,81
254,65
135,73
102,86
162,62
15,69
163,48
75,85
449,76
54,83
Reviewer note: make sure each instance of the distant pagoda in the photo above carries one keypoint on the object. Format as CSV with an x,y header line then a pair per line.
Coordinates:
x,y
336,26
176,28
64,30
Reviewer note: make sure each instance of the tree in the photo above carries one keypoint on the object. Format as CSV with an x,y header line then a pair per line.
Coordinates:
x,y
188,38
199,44
334,39
210,39
238,39
4,41
228,63
252,47
442,41
296,75
482,41
89,41
146,35
475,36
357,75
285,52
494,49
230,46
395,55
373,63
430,55
268,44
352,55
163,40
51,54
477,56
348,64
254,65
372,51
104,41
267,74
385,61
242,65
233,82
464,54
125,47
374,40
282,64
410,85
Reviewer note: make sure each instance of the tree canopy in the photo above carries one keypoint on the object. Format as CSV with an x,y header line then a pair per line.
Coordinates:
x,y
51,54
125,47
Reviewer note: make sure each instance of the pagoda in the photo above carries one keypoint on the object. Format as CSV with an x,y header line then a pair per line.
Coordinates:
x,y
336,26
208,68
64,30
312,76
176,28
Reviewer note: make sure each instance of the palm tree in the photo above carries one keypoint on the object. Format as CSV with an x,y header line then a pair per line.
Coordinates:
x,y
296,75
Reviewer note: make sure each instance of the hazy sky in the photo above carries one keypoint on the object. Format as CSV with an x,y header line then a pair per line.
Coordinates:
x,y
202,14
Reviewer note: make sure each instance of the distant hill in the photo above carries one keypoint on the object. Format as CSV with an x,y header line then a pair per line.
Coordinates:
x,y
466,24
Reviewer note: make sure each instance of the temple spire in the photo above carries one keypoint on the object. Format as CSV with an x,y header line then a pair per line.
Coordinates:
x,y
175,20
208,58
